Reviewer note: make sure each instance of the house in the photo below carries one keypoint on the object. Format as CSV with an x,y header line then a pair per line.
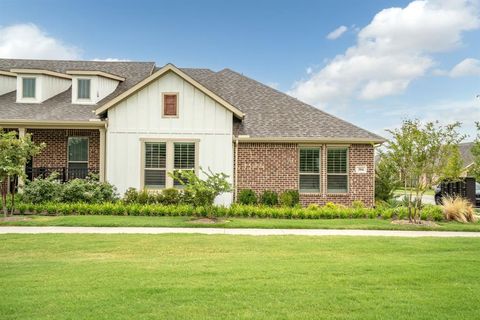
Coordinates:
x,y
133,122
466,156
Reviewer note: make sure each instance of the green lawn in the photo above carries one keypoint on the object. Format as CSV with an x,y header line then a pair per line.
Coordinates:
x,y
235,277
401,191
134,221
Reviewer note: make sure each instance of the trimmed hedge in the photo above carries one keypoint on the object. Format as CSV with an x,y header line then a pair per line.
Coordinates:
x,y
312,212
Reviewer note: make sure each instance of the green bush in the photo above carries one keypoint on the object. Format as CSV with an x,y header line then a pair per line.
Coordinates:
x,y
289,198
170,196
42,190
130,196
269,198
432,212
247,197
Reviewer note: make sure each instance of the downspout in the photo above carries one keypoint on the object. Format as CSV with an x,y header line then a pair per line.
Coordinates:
x,y
235,184
103,158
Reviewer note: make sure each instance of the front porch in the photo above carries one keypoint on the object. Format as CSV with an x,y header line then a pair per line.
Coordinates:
x,y
72,153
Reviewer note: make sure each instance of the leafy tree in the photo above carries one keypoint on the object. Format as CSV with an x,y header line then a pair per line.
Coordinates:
x,y
454,166
475,170
14,155
202,191
420,155
386,179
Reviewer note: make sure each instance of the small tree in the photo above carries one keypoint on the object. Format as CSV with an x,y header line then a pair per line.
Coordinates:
x,y
386,179
14,155
420,155
202,191
454,165
475,169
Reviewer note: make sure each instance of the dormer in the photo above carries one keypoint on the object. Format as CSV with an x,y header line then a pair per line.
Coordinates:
x,y
36,86
89,87
8,82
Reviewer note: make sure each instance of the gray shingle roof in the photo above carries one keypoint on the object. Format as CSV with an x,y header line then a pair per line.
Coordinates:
x,y
271,113
60,107
466,153
268,112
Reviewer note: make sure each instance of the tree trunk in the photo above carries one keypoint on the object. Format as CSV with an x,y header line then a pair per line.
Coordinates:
x,y
4,197
12,196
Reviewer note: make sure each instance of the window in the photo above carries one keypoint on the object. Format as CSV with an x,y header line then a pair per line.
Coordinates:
x,y
310,170
170,105
155,165
83,89
184,158
337,170
28,87
77,157
165,156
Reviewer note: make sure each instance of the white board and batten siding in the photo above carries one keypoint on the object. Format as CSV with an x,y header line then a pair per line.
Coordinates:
x,y
7,84
46,86
139,117
100,87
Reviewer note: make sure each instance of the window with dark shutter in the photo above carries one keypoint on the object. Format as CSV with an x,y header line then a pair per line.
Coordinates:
x,y
170,103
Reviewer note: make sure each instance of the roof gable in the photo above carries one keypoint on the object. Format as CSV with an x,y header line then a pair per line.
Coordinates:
x,y
160,72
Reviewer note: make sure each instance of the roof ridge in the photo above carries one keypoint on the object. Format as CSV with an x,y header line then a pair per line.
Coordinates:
x,y
304,103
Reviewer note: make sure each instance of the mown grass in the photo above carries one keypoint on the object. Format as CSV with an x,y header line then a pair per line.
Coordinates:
x,y
140,221
237,277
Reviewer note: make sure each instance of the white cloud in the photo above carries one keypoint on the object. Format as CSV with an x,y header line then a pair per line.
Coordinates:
x,y
337,33
468,67
393,50
30,42
273,85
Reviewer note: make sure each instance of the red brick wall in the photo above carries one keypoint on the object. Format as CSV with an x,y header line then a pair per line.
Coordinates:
x,y
56,140
274,166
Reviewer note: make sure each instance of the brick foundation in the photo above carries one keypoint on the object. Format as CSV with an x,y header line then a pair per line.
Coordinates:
x,y
56,140
274,166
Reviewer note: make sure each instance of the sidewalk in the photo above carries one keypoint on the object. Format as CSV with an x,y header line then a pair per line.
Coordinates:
x,y
251,232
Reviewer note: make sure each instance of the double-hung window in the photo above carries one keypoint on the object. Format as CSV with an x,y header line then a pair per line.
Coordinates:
x,y
163,157
77,157
155,171
29,87
310,175
83,89
337,170
184,158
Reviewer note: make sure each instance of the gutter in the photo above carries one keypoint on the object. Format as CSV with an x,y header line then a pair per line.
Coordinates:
x,y
247,138
62,124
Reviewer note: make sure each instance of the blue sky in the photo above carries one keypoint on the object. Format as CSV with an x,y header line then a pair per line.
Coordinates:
x,y
396,59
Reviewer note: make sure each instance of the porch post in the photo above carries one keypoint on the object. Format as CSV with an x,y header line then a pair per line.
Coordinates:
x,y
102,155
21,183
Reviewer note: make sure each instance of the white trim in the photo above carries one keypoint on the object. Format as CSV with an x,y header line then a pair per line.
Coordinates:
x,y
7,73
320,140
41,71
95,73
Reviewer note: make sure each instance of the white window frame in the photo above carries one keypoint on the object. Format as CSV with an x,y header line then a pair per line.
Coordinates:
x,y
169,159
347,174
320,157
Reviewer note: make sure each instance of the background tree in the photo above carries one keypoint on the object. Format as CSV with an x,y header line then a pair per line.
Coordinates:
x,y
454,166
14,155
387,179
420,155
475,169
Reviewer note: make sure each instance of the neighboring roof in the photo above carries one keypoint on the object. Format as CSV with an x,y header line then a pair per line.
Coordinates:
x,y
60,107
272,114
466,153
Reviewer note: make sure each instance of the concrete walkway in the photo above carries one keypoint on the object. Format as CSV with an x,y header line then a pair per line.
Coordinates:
x,y
251,232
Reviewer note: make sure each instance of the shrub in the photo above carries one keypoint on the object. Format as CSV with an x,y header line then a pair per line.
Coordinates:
x,y
42,190
458,209
88,190
269,198
170,196
357,204
247,197
432,212
202,192
130,196
143,197
289,198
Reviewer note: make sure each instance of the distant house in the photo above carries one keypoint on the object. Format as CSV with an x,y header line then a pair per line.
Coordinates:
x,y
134,122
467,156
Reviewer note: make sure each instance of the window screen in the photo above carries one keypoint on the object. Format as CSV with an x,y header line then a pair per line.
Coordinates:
x,y
77,157
337,170
309,170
